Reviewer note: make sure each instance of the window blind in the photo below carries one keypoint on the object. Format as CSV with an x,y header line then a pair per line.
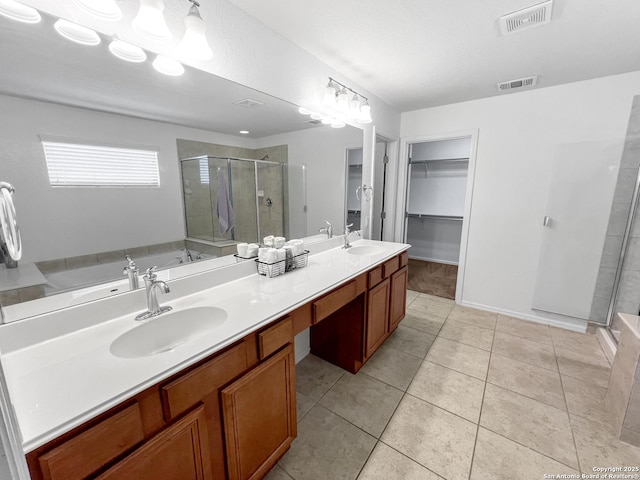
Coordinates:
x,y
76,165
204,171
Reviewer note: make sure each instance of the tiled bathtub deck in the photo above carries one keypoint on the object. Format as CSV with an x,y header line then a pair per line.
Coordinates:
x,y
457,394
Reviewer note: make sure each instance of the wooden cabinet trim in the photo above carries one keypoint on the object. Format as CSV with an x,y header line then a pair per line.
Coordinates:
x,y
186,391
90,450
404,259
377,326
338,298
375,276
275,337
301,318
390,266
398,304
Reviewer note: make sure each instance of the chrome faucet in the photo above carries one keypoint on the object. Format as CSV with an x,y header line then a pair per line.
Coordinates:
x,y
131,271
328,229
152,285
347,232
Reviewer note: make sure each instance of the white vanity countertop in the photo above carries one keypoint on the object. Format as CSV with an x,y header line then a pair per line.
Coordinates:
x,y
62,382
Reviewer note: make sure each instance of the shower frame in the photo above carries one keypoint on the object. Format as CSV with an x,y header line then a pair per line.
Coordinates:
x,y
256,163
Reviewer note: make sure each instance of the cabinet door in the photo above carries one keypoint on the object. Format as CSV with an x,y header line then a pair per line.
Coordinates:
x,y
180,452
398,309
259,416
377,317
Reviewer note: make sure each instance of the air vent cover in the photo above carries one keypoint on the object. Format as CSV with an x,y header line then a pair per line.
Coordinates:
x,y
248,103
519,83
526,18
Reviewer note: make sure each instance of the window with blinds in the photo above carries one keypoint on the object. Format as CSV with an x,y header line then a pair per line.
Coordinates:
x,y
77,165
204,171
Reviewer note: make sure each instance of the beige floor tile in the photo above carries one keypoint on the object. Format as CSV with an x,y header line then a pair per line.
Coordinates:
x,y
537,332
598,448
462,358
364,401
435,307
528,380
473,316
539,426
319,451
498,458
425,322
589,370
569,339
314,376
453,391
411,341
392,366
386,463
468,334
411,296
277,473
439,440
528,351
304,404
435,298
586,400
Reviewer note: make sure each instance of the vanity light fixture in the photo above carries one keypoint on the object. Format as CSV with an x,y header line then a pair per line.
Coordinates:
x,y
342,101
76,33
127,51
150,22
194,43
330,94
365,113
168,66
103,9
336,96
17,11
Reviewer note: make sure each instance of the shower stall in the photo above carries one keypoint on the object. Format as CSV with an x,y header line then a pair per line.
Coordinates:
x,y
243,200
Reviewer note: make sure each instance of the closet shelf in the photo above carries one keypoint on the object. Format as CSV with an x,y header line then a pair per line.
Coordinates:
x,y
459,159
353,211
355,165
439,217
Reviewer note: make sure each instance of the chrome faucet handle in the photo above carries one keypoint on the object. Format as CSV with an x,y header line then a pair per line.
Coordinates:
x,y
151,273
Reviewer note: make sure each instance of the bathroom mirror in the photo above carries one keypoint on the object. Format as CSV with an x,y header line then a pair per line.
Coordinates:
x,y
54,90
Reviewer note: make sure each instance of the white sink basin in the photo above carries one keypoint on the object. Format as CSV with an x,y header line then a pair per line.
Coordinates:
x,y
365,250
167,331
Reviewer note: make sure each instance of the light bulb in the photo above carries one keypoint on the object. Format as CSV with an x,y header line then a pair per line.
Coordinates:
x,y
150,21
17,11
329,95
168,66
76,33
354,107
194,43
104,9
365,114
342,101
127,51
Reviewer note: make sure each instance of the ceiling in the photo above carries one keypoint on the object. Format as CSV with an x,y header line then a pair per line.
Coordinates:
x,y
38,63
422,53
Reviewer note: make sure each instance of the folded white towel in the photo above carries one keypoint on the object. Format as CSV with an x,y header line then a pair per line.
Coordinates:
x,y
262,254
242,249
281,253
278,242
271,256
252,250
297,244
268,241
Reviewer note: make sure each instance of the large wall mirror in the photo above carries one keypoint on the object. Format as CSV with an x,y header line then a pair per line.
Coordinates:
x,y
52,90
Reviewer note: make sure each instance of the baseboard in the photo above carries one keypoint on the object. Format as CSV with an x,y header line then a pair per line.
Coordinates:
x,y
568,324
608,344
300,355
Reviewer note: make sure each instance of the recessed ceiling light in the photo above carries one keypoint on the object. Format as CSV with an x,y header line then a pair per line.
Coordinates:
x,y
304,111
103,9
168,66
16,11
76,33
244,132
127,51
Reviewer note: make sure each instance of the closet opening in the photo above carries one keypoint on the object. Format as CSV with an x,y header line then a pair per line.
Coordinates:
x,y
436,192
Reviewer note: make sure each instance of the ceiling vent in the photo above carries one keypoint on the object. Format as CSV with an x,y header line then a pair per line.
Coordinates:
x,y
526,18
248,103
519,83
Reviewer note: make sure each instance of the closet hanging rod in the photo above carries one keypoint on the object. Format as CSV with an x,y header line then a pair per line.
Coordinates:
x,y
459,159
439,217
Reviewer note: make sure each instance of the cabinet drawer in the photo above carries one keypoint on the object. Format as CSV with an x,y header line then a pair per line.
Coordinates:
x,y
275,337
338,298
301,318
390,266
189,389
375,276
404,259
95,447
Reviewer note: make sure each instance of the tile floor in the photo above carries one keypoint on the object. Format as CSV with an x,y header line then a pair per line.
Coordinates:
x,y
456,394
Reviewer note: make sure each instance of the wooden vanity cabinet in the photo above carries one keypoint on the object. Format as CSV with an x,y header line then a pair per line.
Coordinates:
x,y
377,325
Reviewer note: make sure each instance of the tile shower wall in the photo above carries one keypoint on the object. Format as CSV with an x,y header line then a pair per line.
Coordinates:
x,y
200,200
629,290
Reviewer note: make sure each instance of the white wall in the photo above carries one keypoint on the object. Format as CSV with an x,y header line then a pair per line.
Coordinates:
x,y
324,151
66,222
517,137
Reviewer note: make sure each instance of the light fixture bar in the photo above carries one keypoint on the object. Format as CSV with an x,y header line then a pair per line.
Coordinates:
x,y
331,79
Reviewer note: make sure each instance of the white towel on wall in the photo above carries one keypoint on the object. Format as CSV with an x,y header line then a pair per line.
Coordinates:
x,y
224,210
